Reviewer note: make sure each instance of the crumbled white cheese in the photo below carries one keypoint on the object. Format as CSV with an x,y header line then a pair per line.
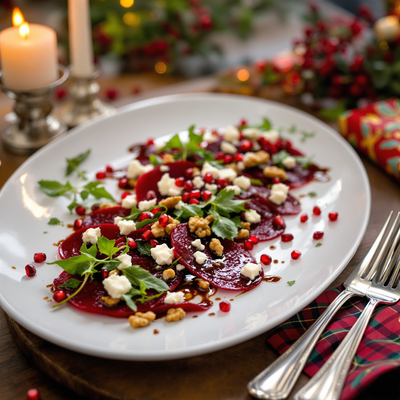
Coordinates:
x,y
272,136
247,156
174,298
91,235
231,134
289,162
252,216
126,227
243,182
210,138
198,245
251,133
200,257
136,169
179,267
126,261
166,186
146,204
211,186
179,205
209,169
162,254
227,173
241,166
228,148
117,285
278,194
129,201
235,188
198,182
251,270
117,220
164,168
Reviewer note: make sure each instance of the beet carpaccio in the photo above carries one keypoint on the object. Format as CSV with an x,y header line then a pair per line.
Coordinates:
x,y
191,210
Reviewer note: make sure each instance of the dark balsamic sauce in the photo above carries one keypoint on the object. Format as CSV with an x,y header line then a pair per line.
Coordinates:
x,y
272,279
319,174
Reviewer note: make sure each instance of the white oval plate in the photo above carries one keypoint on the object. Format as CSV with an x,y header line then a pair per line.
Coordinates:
x,y
25,212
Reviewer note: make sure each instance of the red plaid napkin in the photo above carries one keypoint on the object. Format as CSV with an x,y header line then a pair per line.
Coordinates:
x,y
379,350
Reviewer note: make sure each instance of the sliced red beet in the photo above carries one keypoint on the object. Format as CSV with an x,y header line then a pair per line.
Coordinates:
x,y
142,152
222,272
149,180
105,216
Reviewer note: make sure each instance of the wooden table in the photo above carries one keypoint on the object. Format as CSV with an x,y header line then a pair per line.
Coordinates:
x,y
219,376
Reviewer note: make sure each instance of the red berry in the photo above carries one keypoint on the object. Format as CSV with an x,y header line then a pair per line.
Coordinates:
x,y
254,239
132,244
238,157
163,220
109,169
80,210
316,210
276,180
147,235
30,270
189,173
189,186
33,394
206,195
145,215
59,296
123,183
112,93
248,245
95,206
60,93
266,259
180,182
104,273
303,218
194,201
78,224
355,90
318,235
185,197
39,257
243,122
220,156
195,194
123,195
333,216
225,306
228,159
222,183
287,237
208,178
150,195
245,146
295,254
154,242
278,222
150,142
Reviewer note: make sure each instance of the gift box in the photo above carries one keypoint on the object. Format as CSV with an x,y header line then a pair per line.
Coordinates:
x,y
375,131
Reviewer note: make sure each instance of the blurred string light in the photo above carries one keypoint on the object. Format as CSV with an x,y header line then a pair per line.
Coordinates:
x,y
160,67
243,75
126,3
130,18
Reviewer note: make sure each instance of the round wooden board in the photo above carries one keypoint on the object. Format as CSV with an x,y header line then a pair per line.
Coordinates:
x,y
217,376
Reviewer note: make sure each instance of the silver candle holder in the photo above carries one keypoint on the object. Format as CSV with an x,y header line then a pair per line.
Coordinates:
x,y
34,125
86,103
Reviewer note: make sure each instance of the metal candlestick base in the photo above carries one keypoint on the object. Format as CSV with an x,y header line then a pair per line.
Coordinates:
x,y
34,126
86,105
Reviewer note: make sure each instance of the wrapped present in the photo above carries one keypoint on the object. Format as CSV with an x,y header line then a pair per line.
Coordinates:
x,y
375,131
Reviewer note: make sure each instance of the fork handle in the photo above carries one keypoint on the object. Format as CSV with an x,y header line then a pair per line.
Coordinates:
x,y
327,383
276,381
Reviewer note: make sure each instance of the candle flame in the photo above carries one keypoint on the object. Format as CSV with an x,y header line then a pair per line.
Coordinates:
x,y
24,30
17,17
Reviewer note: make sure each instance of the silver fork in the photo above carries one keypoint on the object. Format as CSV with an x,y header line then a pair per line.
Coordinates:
x,y
277,380
328,383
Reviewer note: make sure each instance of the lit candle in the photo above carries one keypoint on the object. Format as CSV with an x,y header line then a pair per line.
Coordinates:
x,y
387,28
80,38
28,55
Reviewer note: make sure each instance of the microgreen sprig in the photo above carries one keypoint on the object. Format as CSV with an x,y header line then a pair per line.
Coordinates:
x,y
73,163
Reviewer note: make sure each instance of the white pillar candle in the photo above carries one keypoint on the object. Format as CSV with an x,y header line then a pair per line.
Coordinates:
x,y
80,38
28,62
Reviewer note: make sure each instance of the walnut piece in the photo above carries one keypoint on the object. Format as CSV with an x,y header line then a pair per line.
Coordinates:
x,y
242,234
202,284
254,159
246,225
196,171
274,172
200,226
141,319
108,205
233,166
159,231
132,182
168,274
216,247
170,202
172,224
109,300
168,158
175,314
114,272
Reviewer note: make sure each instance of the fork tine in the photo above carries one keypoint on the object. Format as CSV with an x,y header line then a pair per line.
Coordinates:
x,y
395,259
372,251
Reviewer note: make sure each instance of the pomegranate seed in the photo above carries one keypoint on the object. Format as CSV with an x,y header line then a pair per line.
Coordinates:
x,y
33,394
145,215
189,173
287,237
273,149
333,216
150,142
195,194
154,242
123,195
266,259
30,270
295,254
278,222
208,178
147,235
104,273
100,175
158,209
123,183
228,159
39,257
254,239
222,183
189,186
225,306
185,197
194,201
238,157
303,218
163,220
248,245
80,210
220,156
276,180
316,210
206,195
245,146
180,182
132,244
109,169
150,195
59,296
95,206
78,224
318,235
243,122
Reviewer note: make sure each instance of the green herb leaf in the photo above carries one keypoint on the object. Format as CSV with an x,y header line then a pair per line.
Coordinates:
x,y
279,157
101,193
84,194
128,298
217,164
145,222
54,221
172,144
223,227
72,205
194,139
312,194
333,113
73,164
256,182
266,125
106,246
144,248
224,203
91,250
305,162
54,188
75,265
318,245
189,210
71,283
135,273
155,160
305,135
291,283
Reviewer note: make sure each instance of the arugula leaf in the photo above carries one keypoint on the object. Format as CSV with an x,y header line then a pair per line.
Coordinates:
x,y
256,182
54,188
73,164
72,205
75,265
266,125
291,283
217,164
189,210
128,298
145,222
98,192
135,273
155,160
144,247
111,265
223,227
194,139
54,221
71,283
312,194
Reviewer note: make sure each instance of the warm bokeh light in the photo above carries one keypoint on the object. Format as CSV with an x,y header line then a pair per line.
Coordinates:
x,y
160,67
131,18
17,17
24,30
243,75
126,3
